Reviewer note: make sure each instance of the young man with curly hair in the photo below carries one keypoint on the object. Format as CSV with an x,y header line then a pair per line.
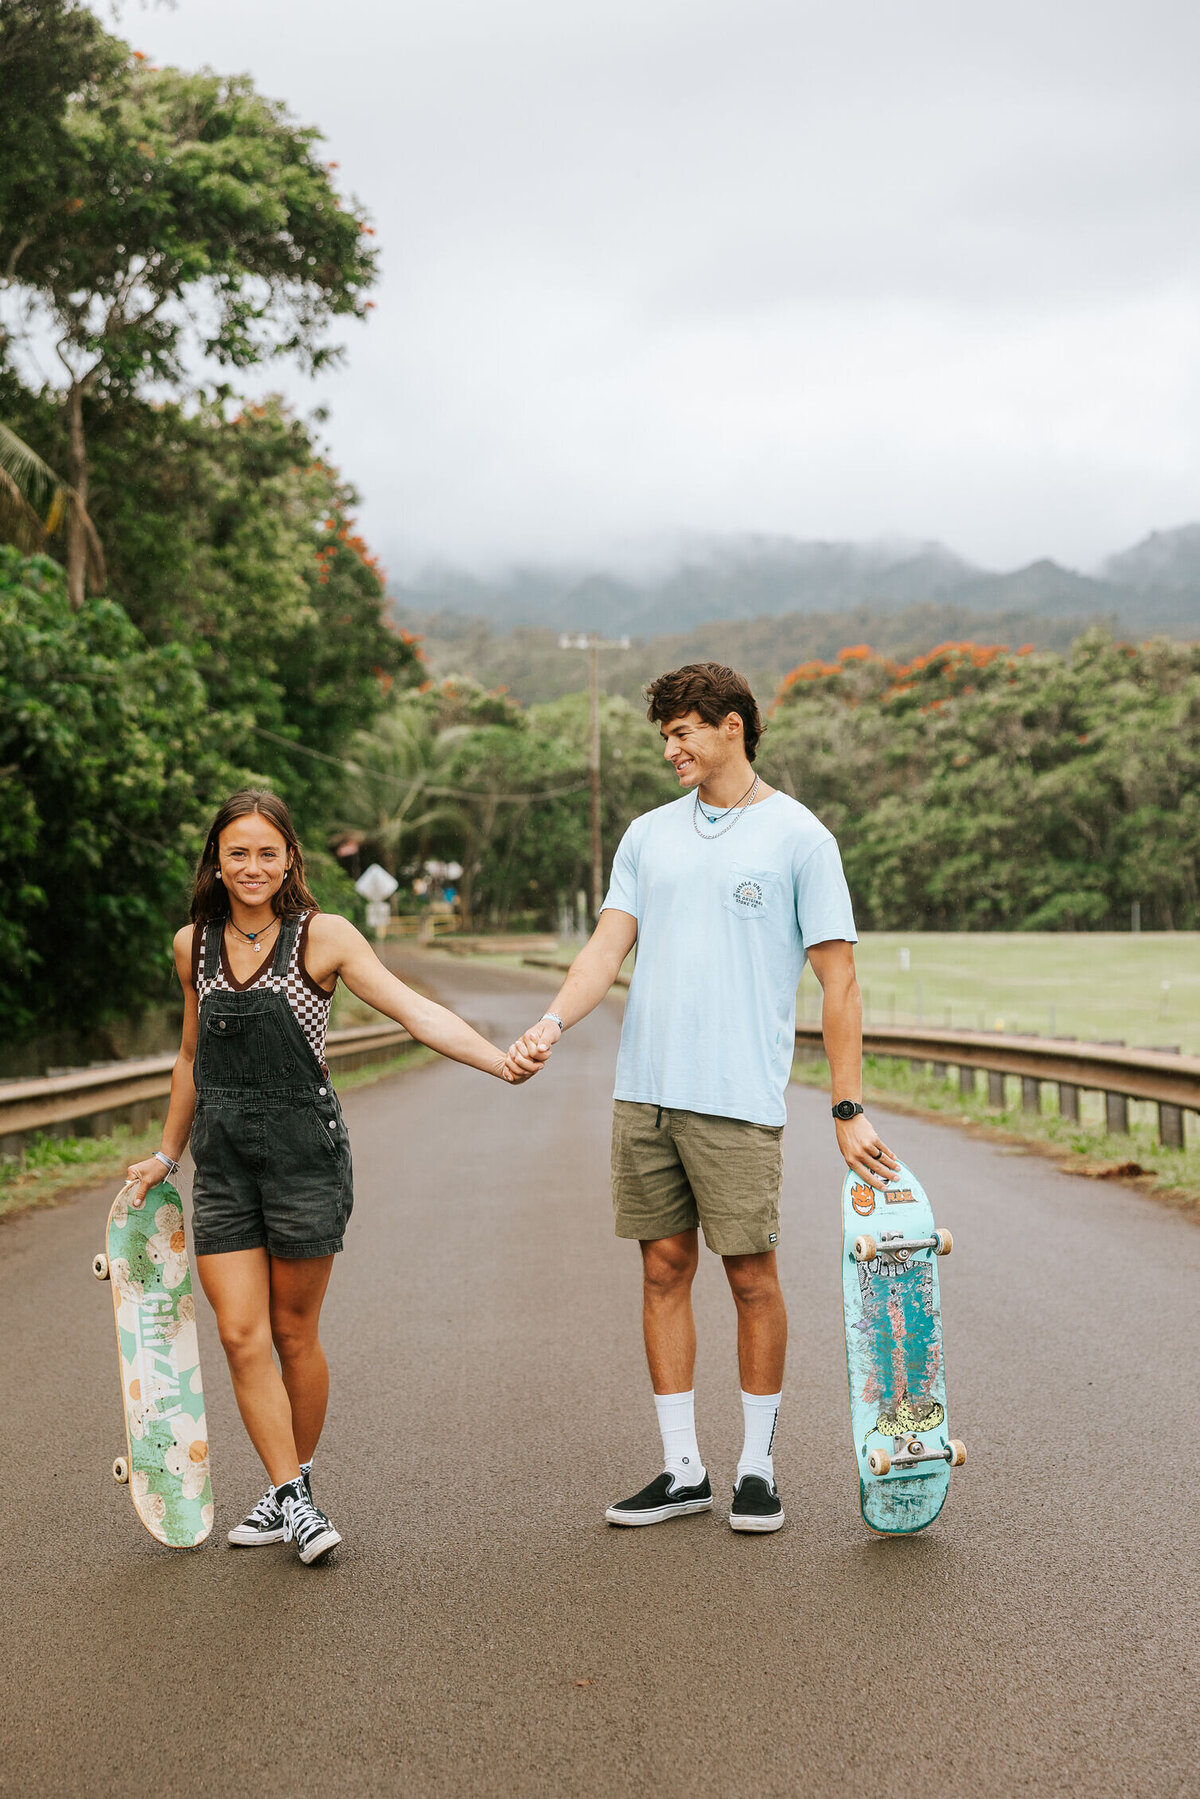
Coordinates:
x,y
726,892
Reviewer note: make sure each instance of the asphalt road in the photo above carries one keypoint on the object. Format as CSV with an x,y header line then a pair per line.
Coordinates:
x,y
483,1632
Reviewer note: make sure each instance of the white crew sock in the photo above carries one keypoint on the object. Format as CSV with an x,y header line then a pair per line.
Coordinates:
x,y
760,1410
677,1422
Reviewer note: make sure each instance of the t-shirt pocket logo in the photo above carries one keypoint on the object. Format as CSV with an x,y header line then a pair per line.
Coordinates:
x,y
749,891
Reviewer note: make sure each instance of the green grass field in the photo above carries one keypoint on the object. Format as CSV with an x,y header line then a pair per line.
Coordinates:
x,y
1142,988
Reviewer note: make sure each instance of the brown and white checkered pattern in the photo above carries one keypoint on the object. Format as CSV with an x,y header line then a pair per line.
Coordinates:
x,y
311,1009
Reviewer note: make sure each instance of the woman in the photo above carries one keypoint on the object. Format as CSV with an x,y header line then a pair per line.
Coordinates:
x,y
272,1189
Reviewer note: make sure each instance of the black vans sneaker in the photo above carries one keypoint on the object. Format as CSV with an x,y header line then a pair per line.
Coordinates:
x,y
264,1524
661,1500
756,1504
304,1524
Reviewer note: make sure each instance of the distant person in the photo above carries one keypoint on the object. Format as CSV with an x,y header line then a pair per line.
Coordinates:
x,y
273,1189
725,891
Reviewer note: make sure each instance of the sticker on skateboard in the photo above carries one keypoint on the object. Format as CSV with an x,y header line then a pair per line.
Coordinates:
x,y
166,1438
894,1360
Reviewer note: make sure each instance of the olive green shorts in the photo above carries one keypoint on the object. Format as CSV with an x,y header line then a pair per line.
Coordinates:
x,y
672,1171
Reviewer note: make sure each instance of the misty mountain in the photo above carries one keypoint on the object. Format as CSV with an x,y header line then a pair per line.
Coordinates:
x,y
1155,585
529,663
1164,572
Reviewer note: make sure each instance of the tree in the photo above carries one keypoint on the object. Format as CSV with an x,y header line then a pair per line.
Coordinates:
x,y
398,770
109,770
174,210
975,788
35,502
234,536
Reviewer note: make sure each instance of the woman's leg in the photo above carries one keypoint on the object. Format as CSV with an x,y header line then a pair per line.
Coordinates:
x,y
238,1286
297,1290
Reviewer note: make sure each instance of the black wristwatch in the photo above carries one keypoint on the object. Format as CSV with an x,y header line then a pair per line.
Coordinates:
x,y
846,1109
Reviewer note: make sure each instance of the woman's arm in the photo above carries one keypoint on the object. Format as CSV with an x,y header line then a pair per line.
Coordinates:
x,y
182,1107
337,948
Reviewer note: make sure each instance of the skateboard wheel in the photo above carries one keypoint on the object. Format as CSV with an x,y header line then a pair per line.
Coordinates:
x,y
879,1462
945,1243
864,1248
958,1453
121,1470
100,1266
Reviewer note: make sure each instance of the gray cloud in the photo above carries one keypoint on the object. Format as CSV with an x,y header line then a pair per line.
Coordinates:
x,y
754,266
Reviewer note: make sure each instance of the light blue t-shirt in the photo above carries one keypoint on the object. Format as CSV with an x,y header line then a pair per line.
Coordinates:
x,y
710,1020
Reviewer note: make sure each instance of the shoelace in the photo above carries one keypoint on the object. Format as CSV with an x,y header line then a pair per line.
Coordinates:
x,y
267,1509
300,1519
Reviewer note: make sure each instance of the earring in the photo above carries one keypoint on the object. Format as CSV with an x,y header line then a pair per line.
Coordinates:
x,y
219,874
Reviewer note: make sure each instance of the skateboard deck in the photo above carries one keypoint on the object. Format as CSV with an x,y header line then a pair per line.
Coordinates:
x,y
166,1438
890,1251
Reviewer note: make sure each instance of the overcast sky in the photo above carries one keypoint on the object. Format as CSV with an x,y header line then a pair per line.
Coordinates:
x,y
665,266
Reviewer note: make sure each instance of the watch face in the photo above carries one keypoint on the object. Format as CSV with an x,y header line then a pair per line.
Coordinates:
x,y
846,1108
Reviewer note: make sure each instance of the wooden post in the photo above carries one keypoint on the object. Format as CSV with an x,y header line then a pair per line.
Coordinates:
x,y
966,1082
1068,1102
1116,1114
941,1071
1031,1094
995,1089
1170,1126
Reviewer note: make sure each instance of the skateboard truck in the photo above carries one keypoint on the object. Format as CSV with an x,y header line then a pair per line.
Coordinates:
x,y
914,1452
866,1248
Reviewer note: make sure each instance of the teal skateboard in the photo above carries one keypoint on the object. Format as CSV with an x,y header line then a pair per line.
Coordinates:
x,y
890,1250
166,1439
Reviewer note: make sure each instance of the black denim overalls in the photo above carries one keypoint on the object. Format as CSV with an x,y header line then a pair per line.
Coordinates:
x,y
269,1144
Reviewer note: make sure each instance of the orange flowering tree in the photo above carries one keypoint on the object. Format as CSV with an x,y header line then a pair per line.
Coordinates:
x,y
977,787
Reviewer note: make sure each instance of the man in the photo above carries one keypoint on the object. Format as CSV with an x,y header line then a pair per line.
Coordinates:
x,y
725,891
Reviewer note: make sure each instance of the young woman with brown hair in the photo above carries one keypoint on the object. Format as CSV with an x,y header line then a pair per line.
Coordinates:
x,y
273,1185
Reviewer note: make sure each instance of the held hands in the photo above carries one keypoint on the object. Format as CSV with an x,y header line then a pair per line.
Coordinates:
x,y
531,1052
864,1150
142,1176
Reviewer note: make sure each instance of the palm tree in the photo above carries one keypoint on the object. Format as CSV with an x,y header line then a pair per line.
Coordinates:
x,y
395,789
35,502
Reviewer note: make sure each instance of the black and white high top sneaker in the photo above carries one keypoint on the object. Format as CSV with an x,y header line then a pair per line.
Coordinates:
x,y
304,1524
264,1522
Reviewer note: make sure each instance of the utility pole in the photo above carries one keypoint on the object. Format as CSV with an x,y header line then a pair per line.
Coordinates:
x,y
593,645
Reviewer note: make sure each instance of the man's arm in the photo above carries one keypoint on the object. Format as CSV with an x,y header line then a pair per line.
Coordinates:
x,y
863,1149
589,978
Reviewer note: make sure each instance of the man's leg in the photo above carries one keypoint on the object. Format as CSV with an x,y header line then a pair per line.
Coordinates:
x,y
668,1269
762,1345
762,1320
669,1327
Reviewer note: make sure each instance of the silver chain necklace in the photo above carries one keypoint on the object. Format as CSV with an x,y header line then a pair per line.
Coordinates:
x,y
743,805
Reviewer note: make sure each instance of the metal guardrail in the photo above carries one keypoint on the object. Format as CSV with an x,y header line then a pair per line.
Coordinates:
x,y
129,1090
1165,1078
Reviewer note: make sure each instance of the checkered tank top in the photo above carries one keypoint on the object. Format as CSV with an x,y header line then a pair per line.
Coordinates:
x,y
309,1003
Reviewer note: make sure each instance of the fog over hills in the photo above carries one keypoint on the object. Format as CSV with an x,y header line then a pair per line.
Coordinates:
x,y
1155,585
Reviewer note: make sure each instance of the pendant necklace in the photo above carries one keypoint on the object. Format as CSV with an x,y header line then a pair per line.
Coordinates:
x,y
743,805
253,936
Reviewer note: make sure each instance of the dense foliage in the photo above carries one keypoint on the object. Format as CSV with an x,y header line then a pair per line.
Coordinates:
x,y
976,788
147,215
109,760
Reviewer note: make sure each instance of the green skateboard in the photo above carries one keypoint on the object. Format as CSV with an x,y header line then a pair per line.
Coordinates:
x,y
890,1250
166,1439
